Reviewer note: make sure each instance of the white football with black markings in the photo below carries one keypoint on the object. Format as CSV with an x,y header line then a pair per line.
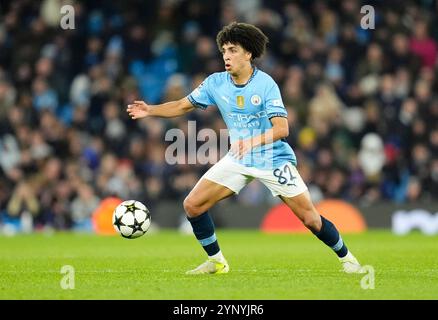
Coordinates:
x,y
131,219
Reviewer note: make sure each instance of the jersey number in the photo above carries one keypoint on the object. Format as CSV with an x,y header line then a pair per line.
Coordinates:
x,y
285,175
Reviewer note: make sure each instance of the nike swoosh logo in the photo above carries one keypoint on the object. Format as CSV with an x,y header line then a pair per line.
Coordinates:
x,y
228,101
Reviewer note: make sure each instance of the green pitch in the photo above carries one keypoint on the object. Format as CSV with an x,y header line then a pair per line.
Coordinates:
x,y
262,267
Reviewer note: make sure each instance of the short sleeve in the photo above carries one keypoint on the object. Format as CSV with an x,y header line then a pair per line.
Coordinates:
x,y
201,97
274,103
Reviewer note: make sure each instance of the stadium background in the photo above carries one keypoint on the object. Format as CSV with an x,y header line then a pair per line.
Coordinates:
x,y
362,104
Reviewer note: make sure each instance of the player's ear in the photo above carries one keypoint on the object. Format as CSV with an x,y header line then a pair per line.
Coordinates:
x,y
248,55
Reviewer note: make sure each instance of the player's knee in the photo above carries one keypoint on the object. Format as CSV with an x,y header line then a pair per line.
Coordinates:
x,y
191,208
312,221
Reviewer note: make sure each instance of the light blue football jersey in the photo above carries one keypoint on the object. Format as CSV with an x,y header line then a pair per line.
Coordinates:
x,y
246,110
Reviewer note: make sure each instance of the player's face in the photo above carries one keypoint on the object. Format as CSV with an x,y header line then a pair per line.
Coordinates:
x,y
235,57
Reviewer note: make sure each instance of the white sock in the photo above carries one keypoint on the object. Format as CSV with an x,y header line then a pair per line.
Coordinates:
x,y
347,256
218,256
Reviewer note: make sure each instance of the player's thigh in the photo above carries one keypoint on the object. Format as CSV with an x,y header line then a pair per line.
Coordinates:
x,y
207,192
229,173
222,180
286,182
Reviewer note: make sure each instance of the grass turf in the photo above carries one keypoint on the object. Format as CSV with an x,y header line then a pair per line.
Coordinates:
x,y
280,267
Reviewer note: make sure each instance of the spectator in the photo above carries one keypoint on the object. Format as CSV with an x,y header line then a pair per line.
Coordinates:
x,y
372,157
324,109
362,106
22,205
82,208
424,46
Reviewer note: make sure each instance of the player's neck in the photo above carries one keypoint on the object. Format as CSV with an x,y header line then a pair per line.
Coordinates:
x,y
243,77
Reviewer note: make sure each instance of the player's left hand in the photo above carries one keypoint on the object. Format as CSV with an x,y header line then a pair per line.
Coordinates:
x,y
240,147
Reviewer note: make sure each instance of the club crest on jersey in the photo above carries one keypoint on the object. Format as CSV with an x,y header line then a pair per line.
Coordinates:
x,y
256,100
240,101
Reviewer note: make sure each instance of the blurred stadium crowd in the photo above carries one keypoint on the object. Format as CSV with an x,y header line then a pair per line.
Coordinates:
x,y
362,104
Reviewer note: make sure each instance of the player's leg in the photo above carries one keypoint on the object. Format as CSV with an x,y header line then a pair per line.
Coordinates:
x,y
220,182
289,186
205,195
322,228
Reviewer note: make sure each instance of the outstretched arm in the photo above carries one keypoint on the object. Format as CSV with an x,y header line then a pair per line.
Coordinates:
x,y
140,109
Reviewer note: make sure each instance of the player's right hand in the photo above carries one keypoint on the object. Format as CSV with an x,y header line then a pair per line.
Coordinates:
x,y
139,109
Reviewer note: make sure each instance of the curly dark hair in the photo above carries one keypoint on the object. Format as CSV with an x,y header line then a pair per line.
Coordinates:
x,y
251,38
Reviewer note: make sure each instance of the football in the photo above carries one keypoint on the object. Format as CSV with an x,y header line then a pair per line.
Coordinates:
x,y
131,219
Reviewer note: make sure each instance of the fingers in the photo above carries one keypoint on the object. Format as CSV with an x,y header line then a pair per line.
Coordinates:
x,y
240,153
237,150
131,112
135,104
133,116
